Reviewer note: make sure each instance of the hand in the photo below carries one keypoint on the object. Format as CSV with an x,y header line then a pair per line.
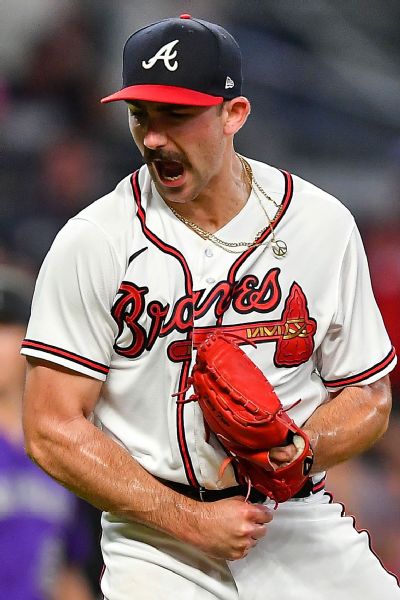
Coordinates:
x,y
282,456
229,528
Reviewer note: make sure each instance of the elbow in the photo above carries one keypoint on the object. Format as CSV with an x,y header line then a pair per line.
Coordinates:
x,y
383,403
34,441
38,439
386,411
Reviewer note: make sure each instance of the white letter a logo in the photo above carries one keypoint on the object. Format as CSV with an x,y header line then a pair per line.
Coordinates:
x,y
165,54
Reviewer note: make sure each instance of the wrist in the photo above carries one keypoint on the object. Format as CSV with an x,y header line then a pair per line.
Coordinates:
x,y
183,522
313,438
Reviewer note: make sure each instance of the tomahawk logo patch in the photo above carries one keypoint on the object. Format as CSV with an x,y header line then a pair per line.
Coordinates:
x,y
166,54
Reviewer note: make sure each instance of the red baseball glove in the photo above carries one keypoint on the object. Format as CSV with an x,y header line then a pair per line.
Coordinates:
x,y
242,409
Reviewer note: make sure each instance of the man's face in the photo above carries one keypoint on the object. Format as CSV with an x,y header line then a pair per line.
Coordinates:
x,y
183,146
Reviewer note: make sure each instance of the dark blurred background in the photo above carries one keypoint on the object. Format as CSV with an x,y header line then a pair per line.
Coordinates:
x,y
324,80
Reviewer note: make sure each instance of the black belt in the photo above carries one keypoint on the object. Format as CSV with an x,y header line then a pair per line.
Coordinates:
x,y
255,496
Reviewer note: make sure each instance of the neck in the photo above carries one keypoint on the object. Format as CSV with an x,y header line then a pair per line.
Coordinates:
x,y
222,199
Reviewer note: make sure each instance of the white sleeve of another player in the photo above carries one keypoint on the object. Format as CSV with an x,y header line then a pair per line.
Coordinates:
x,y
71,323
357,349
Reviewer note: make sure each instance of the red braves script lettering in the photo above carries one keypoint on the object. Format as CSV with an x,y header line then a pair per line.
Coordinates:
x,y
247,295
293,333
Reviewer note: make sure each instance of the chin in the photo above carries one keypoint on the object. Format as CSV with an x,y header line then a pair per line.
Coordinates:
x,y
173,195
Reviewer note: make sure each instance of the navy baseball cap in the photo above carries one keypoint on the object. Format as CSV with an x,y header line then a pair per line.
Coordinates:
x,y
181,61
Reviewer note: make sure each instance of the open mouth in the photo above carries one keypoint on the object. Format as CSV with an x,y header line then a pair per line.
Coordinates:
x,y
170,172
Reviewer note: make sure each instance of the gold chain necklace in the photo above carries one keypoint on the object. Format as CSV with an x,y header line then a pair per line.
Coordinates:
x,y
279,247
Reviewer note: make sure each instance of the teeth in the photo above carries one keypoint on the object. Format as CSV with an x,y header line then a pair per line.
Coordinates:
x,y
172,178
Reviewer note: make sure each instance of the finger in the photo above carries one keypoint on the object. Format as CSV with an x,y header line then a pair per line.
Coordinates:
x,y
283,453
264,515
279,465
241,553
259,532
249,546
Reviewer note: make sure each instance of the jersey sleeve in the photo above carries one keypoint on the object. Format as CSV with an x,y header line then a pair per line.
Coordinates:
x,y
71,322
356,349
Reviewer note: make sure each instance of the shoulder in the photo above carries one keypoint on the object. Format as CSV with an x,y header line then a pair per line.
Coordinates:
x,y
116,211
108,222
310,200
322,210
316,196
112,212
97,239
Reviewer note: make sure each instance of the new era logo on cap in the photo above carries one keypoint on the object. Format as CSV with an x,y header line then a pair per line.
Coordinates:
x,y
181,61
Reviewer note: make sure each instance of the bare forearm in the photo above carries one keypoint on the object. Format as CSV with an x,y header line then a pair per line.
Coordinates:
x,y
96,468
93,466
68,446
349,423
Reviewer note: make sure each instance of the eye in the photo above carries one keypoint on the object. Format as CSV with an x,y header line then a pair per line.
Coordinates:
x,y
179,114
137,115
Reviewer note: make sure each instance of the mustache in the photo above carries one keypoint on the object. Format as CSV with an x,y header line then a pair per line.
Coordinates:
x,y
152,155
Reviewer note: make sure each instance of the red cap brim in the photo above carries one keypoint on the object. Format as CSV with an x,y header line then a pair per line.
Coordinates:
x,y
164,93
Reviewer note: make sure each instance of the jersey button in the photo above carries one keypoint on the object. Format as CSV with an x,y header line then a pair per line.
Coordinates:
x,y
210,280
208,252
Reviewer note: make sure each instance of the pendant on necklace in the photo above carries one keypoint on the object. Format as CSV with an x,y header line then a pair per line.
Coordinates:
x,y
279,248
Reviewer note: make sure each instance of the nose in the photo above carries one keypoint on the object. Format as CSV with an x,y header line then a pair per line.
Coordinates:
x,y
154,137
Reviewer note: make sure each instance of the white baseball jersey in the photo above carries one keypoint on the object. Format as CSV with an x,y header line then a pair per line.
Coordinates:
x,y
128,291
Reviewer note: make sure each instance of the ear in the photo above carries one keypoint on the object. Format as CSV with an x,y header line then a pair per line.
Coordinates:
x,y
236,112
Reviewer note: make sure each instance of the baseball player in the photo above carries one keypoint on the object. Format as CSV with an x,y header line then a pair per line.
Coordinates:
x,y
201,239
